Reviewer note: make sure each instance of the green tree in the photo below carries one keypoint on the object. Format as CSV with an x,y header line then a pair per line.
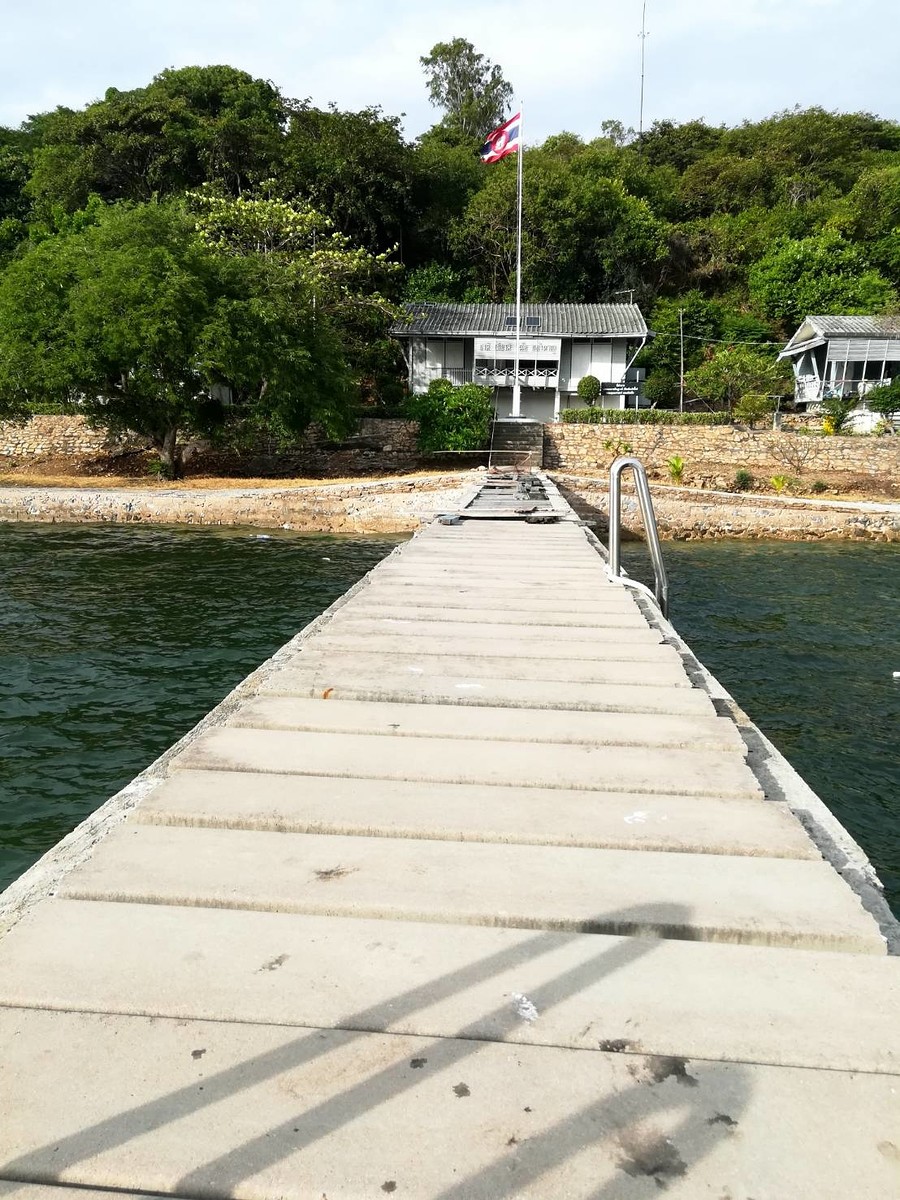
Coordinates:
x,y
584,235
870,216
136,322
702,324
299,247
821,274
669,144
187,127
353,166
468,87
811,152
734,372
445,178
837,410
753,407
439,282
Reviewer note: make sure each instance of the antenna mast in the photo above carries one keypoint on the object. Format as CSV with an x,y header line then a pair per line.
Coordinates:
x,y
643,35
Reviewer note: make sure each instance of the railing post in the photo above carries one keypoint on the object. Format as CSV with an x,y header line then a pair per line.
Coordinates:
x,y
661,582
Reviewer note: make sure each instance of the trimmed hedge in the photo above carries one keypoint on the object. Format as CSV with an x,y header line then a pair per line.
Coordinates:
x,y
641,416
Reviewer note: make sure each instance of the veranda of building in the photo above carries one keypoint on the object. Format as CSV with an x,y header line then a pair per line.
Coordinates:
x,y
559,344
844,356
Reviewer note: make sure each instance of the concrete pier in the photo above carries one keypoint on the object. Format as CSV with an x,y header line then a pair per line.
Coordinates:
x,y
480,888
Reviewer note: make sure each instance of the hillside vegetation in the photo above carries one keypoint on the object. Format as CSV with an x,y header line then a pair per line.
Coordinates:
x,y
743,229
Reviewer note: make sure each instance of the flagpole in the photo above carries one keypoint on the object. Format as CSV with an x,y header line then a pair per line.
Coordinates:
x,y
517,390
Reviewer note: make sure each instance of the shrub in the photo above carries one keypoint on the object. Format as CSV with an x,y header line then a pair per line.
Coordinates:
x,y
589,389
780,482
743,481
819,486
837,411
675,467
641,416
452,418
753,407
885,400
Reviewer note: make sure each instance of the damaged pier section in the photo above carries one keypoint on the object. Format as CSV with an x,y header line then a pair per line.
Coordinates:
x,y
480,888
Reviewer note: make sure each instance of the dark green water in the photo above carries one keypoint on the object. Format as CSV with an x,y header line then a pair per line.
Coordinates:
x,y
114,642
806,637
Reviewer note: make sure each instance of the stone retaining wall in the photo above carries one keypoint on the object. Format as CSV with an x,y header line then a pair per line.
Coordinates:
x,y
379,445
388,506
688,513
51,436
713,454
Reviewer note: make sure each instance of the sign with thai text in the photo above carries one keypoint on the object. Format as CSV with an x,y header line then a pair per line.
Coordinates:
x,y
619,389
495,347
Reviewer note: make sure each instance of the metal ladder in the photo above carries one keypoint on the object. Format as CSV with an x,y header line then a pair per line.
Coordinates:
x,y
660,593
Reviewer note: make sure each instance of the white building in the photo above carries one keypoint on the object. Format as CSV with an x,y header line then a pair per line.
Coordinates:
x,y
558,345
844,356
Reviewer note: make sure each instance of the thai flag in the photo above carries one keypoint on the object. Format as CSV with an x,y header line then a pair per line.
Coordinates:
x,y
504,140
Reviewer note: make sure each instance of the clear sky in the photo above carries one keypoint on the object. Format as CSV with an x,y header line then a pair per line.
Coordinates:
x,y
573,62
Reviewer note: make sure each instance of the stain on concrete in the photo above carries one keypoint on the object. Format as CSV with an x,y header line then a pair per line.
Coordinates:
x,y
648,1153
337,872
657,1068
461,1089
417,1063
389,1185
722,1119
197,1053
617,1045
274,963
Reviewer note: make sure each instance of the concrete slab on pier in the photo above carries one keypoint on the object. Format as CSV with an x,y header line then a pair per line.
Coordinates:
x,y
472,893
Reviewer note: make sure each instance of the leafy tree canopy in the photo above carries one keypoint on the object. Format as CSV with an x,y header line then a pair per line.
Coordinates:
x,y
353,166
763,222
584,235
819,274
468,87
187,127
733,372
138,321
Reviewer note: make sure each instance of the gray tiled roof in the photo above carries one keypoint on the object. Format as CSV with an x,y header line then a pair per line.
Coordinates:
x,y
431,319
856,326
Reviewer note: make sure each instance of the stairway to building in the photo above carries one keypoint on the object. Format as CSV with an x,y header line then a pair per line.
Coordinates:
x,y
517,443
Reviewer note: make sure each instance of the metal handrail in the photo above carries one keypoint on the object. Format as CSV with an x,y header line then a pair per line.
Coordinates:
x,y
660,594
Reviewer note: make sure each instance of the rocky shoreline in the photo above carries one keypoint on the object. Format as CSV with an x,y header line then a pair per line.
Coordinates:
x,y
691,513
401,504
383,506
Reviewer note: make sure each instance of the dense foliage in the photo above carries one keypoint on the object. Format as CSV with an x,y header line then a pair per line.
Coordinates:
x,y
452,418
729,235
143,323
